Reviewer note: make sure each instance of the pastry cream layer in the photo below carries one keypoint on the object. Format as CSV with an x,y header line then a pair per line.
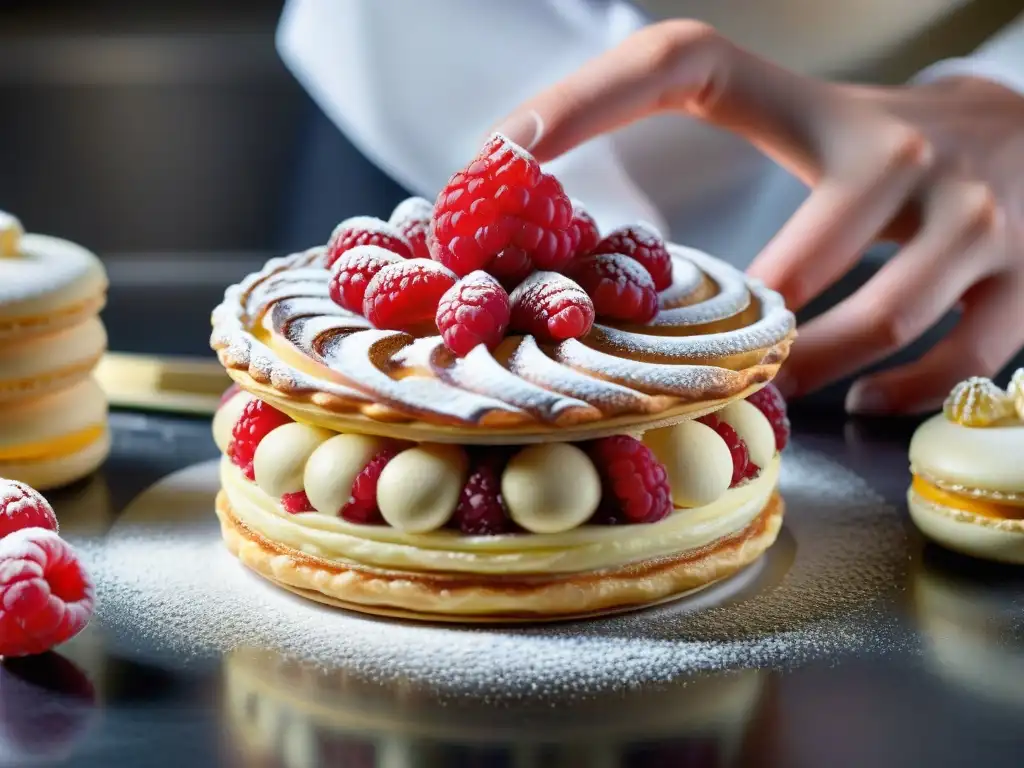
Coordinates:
x,y
39,357
978,506
583,549
53,449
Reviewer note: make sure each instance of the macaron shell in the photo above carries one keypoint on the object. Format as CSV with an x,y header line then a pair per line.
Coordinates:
x,y
34,366
48,418
984,458
961,531
47,276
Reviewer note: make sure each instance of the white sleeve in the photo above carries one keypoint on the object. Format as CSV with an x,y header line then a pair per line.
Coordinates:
x,y
1000,60
416,86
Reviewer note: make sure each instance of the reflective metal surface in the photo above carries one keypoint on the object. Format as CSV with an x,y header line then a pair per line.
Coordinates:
x,y
944,686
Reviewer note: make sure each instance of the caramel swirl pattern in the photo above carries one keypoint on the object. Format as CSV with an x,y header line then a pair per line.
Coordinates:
x,y
716,335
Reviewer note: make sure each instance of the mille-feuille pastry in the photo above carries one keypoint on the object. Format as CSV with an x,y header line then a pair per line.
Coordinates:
x,y
53,416
431,422
967,492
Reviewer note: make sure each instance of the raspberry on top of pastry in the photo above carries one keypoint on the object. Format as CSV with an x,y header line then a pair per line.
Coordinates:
x,y
968,478
485,409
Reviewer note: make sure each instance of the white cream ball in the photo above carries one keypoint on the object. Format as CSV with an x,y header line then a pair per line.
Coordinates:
x,y
696,459
419,489
280,459
753,428
551,488
333,467
226,417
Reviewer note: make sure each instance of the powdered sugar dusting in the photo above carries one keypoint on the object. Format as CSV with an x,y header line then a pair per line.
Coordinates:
x,y
732,298
170,590
367,224
411,209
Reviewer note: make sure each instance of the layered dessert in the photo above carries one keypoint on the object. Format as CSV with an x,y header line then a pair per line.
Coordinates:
x,y
486,409
967,492
53,414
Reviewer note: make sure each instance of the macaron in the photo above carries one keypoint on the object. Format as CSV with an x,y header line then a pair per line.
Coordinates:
x,y
53,415
967,492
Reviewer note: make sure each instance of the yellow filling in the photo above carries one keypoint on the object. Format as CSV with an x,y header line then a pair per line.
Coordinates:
x,y
981,507
53,449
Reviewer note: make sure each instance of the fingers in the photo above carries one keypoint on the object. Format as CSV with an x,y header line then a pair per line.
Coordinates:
x,y
959,246
682,66
987,337
865,186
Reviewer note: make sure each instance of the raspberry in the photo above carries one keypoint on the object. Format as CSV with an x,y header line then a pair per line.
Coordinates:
x,y
588,234
412,220
772,404
635,483
404,295
551,307
296,503
365,230
353,271
256,422
362,507
742,467
46,597
511,267
620,288
502,199
473,311
228,393
481,510
22,506
646,246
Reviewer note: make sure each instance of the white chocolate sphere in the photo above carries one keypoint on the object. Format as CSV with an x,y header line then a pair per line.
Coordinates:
x,y
332,468
226,417
551,488
419,489
280,458
697,461
753,428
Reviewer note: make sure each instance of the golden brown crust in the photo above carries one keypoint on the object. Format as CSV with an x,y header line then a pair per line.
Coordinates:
x,y
450,597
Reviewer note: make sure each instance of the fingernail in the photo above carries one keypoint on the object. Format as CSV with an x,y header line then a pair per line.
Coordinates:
x,y
866,399
523,128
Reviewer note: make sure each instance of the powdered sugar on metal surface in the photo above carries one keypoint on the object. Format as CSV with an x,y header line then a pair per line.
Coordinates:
x,y
168,588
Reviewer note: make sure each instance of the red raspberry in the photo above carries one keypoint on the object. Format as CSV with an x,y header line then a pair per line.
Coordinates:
x,y
296,503
46,597
412,219
256,422
619,286
511,267
473,311
404,295
742,467
22,506
646,246
502,199
365,230
633,480
551,307
353,271
481,510
772,404
362,507
589,235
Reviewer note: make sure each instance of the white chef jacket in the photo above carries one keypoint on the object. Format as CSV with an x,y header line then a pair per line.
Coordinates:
x,y
416,85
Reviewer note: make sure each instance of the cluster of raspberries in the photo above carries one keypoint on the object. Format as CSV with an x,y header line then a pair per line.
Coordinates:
x,y
502,248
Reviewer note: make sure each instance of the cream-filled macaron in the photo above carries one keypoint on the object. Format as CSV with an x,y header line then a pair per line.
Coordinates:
x,y
967,492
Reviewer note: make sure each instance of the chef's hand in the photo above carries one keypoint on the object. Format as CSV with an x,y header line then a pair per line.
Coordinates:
x,y
937,168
